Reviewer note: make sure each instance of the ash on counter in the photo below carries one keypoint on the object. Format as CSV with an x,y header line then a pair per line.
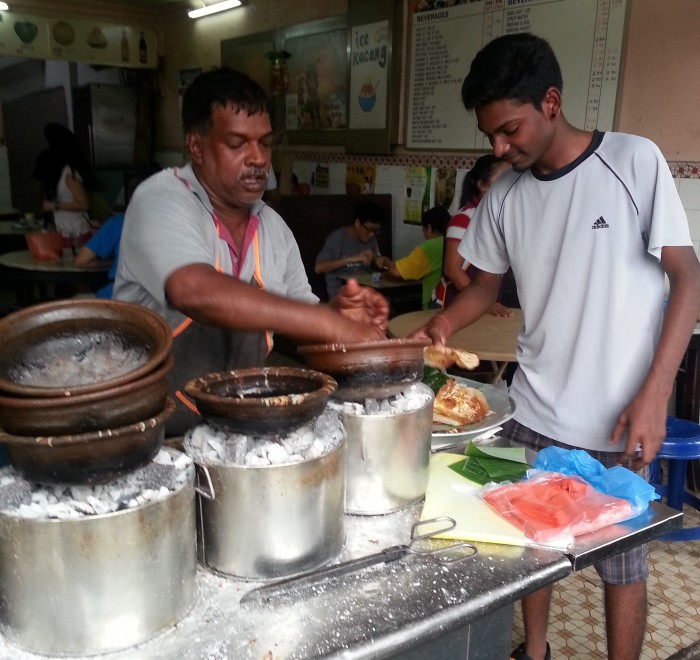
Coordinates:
x,y
207,444
411,399
169,471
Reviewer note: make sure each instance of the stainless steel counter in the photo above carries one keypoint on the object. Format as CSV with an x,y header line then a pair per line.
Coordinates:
x,y
411,608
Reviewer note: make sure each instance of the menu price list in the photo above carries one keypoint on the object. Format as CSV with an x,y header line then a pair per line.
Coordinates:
x,y
586,35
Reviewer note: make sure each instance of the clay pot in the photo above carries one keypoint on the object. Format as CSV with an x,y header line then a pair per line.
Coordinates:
x,y
369,370
92,411
92,457
261,400
52,349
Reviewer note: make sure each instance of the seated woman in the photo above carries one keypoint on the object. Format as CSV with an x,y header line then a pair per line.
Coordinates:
x,y
455,270
104,244
425,262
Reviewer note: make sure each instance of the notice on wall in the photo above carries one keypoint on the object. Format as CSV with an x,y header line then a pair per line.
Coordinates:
x,y
74,40
586,36
417,198
368,75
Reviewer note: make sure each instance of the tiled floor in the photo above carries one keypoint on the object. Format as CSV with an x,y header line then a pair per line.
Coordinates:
x,y
577,626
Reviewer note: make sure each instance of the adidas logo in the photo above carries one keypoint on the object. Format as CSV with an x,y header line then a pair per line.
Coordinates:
x,y
600,224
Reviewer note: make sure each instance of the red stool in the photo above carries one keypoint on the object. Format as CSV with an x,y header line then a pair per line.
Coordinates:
x,y
682,444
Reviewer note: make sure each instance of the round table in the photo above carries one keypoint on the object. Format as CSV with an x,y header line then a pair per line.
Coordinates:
x,y
23,269
492,338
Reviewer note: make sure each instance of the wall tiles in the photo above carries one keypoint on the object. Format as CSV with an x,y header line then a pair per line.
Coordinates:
x,y
694,223
689,191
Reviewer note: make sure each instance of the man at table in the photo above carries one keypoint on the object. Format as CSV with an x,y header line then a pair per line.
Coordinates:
x,y
350,250
199,247
589,222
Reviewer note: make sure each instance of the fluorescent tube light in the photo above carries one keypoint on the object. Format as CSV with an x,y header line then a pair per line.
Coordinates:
x,y
3,6
212,9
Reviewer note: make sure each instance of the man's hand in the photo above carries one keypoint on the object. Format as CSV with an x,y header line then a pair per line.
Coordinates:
x,y
645,422
438,330
362,304
364,258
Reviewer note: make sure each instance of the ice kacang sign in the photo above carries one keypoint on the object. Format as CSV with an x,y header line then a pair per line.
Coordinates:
x,y
368,75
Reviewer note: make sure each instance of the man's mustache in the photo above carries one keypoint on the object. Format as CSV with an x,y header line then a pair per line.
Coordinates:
x,y
254,172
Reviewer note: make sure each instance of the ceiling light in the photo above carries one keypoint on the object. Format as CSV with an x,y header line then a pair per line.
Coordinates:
x,y
3,6
211,9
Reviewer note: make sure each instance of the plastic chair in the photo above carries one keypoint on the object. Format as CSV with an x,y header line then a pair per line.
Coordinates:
x,y
682,444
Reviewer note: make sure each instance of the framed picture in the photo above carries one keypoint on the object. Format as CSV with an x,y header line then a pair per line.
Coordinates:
x,y
249,55
316,99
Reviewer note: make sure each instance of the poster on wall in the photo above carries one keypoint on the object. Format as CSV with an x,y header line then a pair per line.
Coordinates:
x,y
445,182
360,179
368,75
318,78
417,194
75,40
249,55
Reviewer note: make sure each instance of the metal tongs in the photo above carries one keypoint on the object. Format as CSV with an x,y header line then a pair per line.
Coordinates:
x,y
442,555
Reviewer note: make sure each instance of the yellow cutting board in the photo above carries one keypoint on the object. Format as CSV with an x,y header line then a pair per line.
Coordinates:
x,y
450,494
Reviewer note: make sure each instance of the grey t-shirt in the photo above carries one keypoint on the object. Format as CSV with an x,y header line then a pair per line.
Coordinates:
x,y
169,225
339,245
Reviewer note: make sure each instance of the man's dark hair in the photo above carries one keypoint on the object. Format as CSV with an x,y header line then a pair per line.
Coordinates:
x,y
369,212
220,87
437,218
516,67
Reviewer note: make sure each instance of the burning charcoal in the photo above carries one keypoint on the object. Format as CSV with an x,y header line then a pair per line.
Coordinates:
x,y
236,448
329,426
299,440
15,493
84,507
217,447
318,448
276,453
154,476
371,406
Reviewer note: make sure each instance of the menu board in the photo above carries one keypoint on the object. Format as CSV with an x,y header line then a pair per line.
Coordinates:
x,y
75,40
586,36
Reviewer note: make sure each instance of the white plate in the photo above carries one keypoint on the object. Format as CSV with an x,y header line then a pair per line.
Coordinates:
x,y
502,408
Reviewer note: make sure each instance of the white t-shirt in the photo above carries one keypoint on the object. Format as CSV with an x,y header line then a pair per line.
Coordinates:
x,y
69,223
585,245
168,226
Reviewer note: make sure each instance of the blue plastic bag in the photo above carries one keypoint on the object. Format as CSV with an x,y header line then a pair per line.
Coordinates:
x,y
617,481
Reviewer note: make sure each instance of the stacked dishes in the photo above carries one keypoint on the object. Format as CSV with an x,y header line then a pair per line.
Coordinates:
x,y
94,515
77,367
387,414
271,471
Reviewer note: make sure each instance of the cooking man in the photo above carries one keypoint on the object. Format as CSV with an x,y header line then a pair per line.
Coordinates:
x,y
200,248
590,222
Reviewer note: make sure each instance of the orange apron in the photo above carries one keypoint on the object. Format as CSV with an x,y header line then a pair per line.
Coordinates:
x,y
199,349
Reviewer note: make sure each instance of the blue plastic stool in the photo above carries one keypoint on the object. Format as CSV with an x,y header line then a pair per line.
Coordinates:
x,y
682,443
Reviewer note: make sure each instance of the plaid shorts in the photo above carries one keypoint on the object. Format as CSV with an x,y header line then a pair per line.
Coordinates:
x,y
625,568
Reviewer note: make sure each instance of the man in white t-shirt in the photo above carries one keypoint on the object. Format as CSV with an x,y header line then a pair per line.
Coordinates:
x,y
589,222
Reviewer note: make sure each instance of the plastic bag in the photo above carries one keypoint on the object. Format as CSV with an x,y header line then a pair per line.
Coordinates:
x,y
617,481
551,509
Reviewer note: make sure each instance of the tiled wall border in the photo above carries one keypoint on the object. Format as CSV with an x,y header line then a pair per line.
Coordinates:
x,y
679,169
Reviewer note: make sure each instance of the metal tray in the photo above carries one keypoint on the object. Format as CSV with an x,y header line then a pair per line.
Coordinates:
x,y
502,409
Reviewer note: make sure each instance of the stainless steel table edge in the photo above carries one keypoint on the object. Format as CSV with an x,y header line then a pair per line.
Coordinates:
x,y
656,521
457,616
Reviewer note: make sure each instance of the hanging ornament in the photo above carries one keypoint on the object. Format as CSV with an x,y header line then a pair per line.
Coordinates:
x,y
279,73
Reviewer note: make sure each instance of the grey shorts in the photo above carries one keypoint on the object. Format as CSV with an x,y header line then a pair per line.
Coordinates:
x,y
627,567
